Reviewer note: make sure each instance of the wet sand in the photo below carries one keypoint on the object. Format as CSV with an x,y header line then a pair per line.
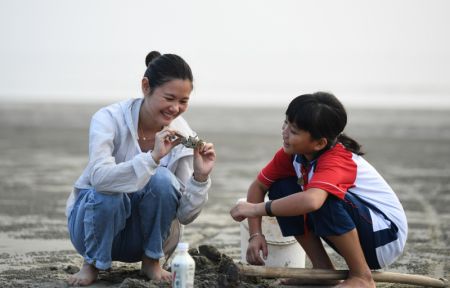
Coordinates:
x,y
44,149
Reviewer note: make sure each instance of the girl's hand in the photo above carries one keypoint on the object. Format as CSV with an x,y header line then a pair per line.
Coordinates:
x,y
255,246
164,143
243,210
204,158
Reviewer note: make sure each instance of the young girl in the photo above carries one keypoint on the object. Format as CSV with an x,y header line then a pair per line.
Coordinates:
x,y
342,198
139,184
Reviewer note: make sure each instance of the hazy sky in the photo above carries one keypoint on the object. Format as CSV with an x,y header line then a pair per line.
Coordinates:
x,y
241,52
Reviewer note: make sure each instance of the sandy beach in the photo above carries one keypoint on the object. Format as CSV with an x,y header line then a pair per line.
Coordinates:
x,y
44,149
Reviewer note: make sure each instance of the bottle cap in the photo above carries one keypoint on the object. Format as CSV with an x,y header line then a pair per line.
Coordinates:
x,y
183,246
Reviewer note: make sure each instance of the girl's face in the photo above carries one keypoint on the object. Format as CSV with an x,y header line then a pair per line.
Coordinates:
x,y
166,102
298,141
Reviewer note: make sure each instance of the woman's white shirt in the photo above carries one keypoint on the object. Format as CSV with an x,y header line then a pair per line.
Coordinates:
x,y
117,164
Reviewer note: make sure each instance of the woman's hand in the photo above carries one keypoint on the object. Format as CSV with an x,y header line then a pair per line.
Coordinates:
x,y
164,143
243,210
204,158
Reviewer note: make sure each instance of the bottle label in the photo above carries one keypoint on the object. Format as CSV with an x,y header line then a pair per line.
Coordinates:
x,y
183,275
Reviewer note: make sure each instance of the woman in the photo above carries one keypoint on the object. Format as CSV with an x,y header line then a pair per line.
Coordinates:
x,y
140,184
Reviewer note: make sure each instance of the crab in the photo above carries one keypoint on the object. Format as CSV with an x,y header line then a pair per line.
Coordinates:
x,y
192,142
189,142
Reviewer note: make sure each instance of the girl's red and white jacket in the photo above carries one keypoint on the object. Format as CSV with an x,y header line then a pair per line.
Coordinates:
x,y
339,171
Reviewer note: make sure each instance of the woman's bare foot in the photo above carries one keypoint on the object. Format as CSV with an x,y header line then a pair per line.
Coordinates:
x,y
86,276
357,281
152,269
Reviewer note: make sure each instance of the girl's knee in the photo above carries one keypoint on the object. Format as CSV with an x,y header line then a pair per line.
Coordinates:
x,y
283,188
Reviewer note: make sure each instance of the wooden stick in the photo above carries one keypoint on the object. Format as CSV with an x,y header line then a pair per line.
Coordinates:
x,y
323,274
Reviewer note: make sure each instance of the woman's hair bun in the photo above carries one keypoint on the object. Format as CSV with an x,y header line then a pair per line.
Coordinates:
x,y
151,56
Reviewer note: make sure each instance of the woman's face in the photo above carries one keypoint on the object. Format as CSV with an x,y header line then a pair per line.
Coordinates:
x,y
298,141
166,102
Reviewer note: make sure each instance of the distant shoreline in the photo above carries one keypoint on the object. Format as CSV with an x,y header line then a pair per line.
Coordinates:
x,y
7,104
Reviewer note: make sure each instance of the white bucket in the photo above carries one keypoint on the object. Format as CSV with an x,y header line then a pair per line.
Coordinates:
x,y
283,251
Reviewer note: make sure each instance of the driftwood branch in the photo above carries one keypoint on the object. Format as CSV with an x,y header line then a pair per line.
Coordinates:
x,y
323,274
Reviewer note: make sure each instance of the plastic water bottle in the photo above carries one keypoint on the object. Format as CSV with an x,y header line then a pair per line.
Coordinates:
x,y
183,268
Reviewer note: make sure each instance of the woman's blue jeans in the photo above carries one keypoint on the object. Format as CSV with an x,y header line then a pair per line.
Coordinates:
x,y
124,227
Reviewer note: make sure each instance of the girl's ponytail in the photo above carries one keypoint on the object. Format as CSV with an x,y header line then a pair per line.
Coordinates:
x,y
350,144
